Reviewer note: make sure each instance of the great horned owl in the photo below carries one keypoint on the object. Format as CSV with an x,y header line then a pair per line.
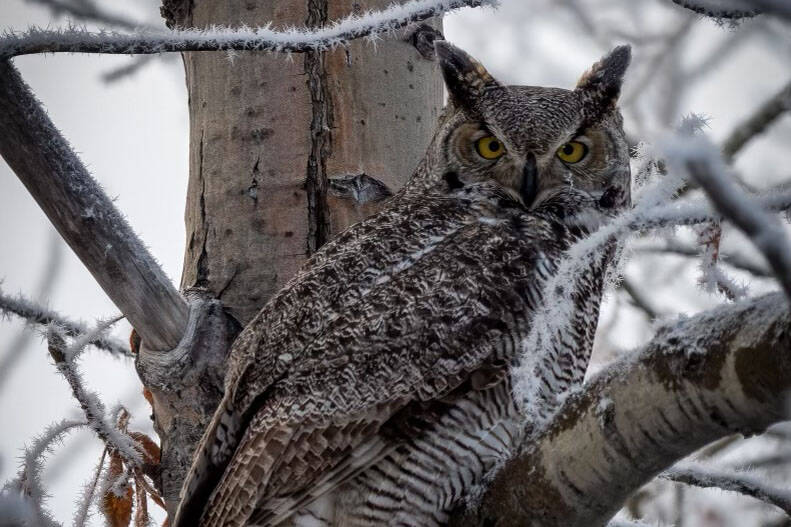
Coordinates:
x,y
375,387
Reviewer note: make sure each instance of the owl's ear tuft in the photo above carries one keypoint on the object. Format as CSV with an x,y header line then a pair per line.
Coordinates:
x,y
465,77
601,85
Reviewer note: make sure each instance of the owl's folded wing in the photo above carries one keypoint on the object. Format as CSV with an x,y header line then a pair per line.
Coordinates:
x,y
443,318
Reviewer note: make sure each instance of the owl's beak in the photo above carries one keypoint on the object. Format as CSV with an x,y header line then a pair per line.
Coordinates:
x,y
529,186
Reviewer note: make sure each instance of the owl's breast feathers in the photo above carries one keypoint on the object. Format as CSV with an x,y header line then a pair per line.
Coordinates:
x,y
429,296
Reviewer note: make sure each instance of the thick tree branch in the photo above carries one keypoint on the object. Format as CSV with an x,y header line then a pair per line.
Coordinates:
x,y
224,39
85,217
720,372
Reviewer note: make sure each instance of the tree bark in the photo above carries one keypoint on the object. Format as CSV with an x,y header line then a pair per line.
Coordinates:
x,y
269,132
284,152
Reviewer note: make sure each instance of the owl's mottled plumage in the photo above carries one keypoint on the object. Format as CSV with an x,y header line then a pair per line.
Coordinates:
x,y
374,388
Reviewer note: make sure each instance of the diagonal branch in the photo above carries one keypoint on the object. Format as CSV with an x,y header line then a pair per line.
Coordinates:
x,y
699,379
295,40
735,260
741,482
85,217
763,230
757,123
86,12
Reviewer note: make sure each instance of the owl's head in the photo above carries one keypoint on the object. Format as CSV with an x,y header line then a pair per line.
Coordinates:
x,y
532,141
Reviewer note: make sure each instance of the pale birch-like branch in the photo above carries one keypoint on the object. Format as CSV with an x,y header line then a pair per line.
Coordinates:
x,y
741,482
36,314
85,216
699,379
294,40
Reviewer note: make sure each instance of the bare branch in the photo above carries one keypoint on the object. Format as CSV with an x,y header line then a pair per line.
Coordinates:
x,y
741,482
757,123
736,261
28,481
36,314
48,278
86,217
294,40
639,300
699,379
87,11
64,357
82,514
779,8
707,168
720,9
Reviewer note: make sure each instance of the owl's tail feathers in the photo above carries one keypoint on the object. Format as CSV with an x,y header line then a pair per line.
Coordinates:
x,y
246,477
363,456
212,456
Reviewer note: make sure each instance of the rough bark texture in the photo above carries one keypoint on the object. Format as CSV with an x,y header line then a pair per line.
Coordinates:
x,y
269,131
279,151
709,376
186,384
85,216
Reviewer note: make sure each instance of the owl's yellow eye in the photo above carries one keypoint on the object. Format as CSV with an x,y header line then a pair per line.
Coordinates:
x,y
572,152
489,147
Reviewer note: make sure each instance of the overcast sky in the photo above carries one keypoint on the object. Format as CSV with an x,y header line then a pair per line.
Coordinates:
x,y
133,136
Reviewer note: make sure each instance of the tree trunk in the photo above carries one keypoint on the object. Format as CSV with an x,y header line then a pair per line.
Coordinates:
x,y
284,152
268,132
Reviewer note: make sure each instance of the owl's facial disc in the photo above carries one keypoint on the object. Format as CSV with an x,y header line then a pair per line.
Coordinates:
x,y
533,141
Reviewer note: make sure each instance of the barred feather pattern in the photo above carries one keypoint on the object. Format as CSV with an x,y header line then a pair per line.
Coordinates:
x,y
376,388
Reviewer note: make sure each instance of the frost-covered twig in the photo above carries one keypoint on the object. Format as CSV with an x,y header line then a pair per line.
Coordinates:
x,y
64,356
28,483
703,162
82,514
741,482
86,217
87,11
35,314
720,9
371,24
758,122
620,522
713,278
